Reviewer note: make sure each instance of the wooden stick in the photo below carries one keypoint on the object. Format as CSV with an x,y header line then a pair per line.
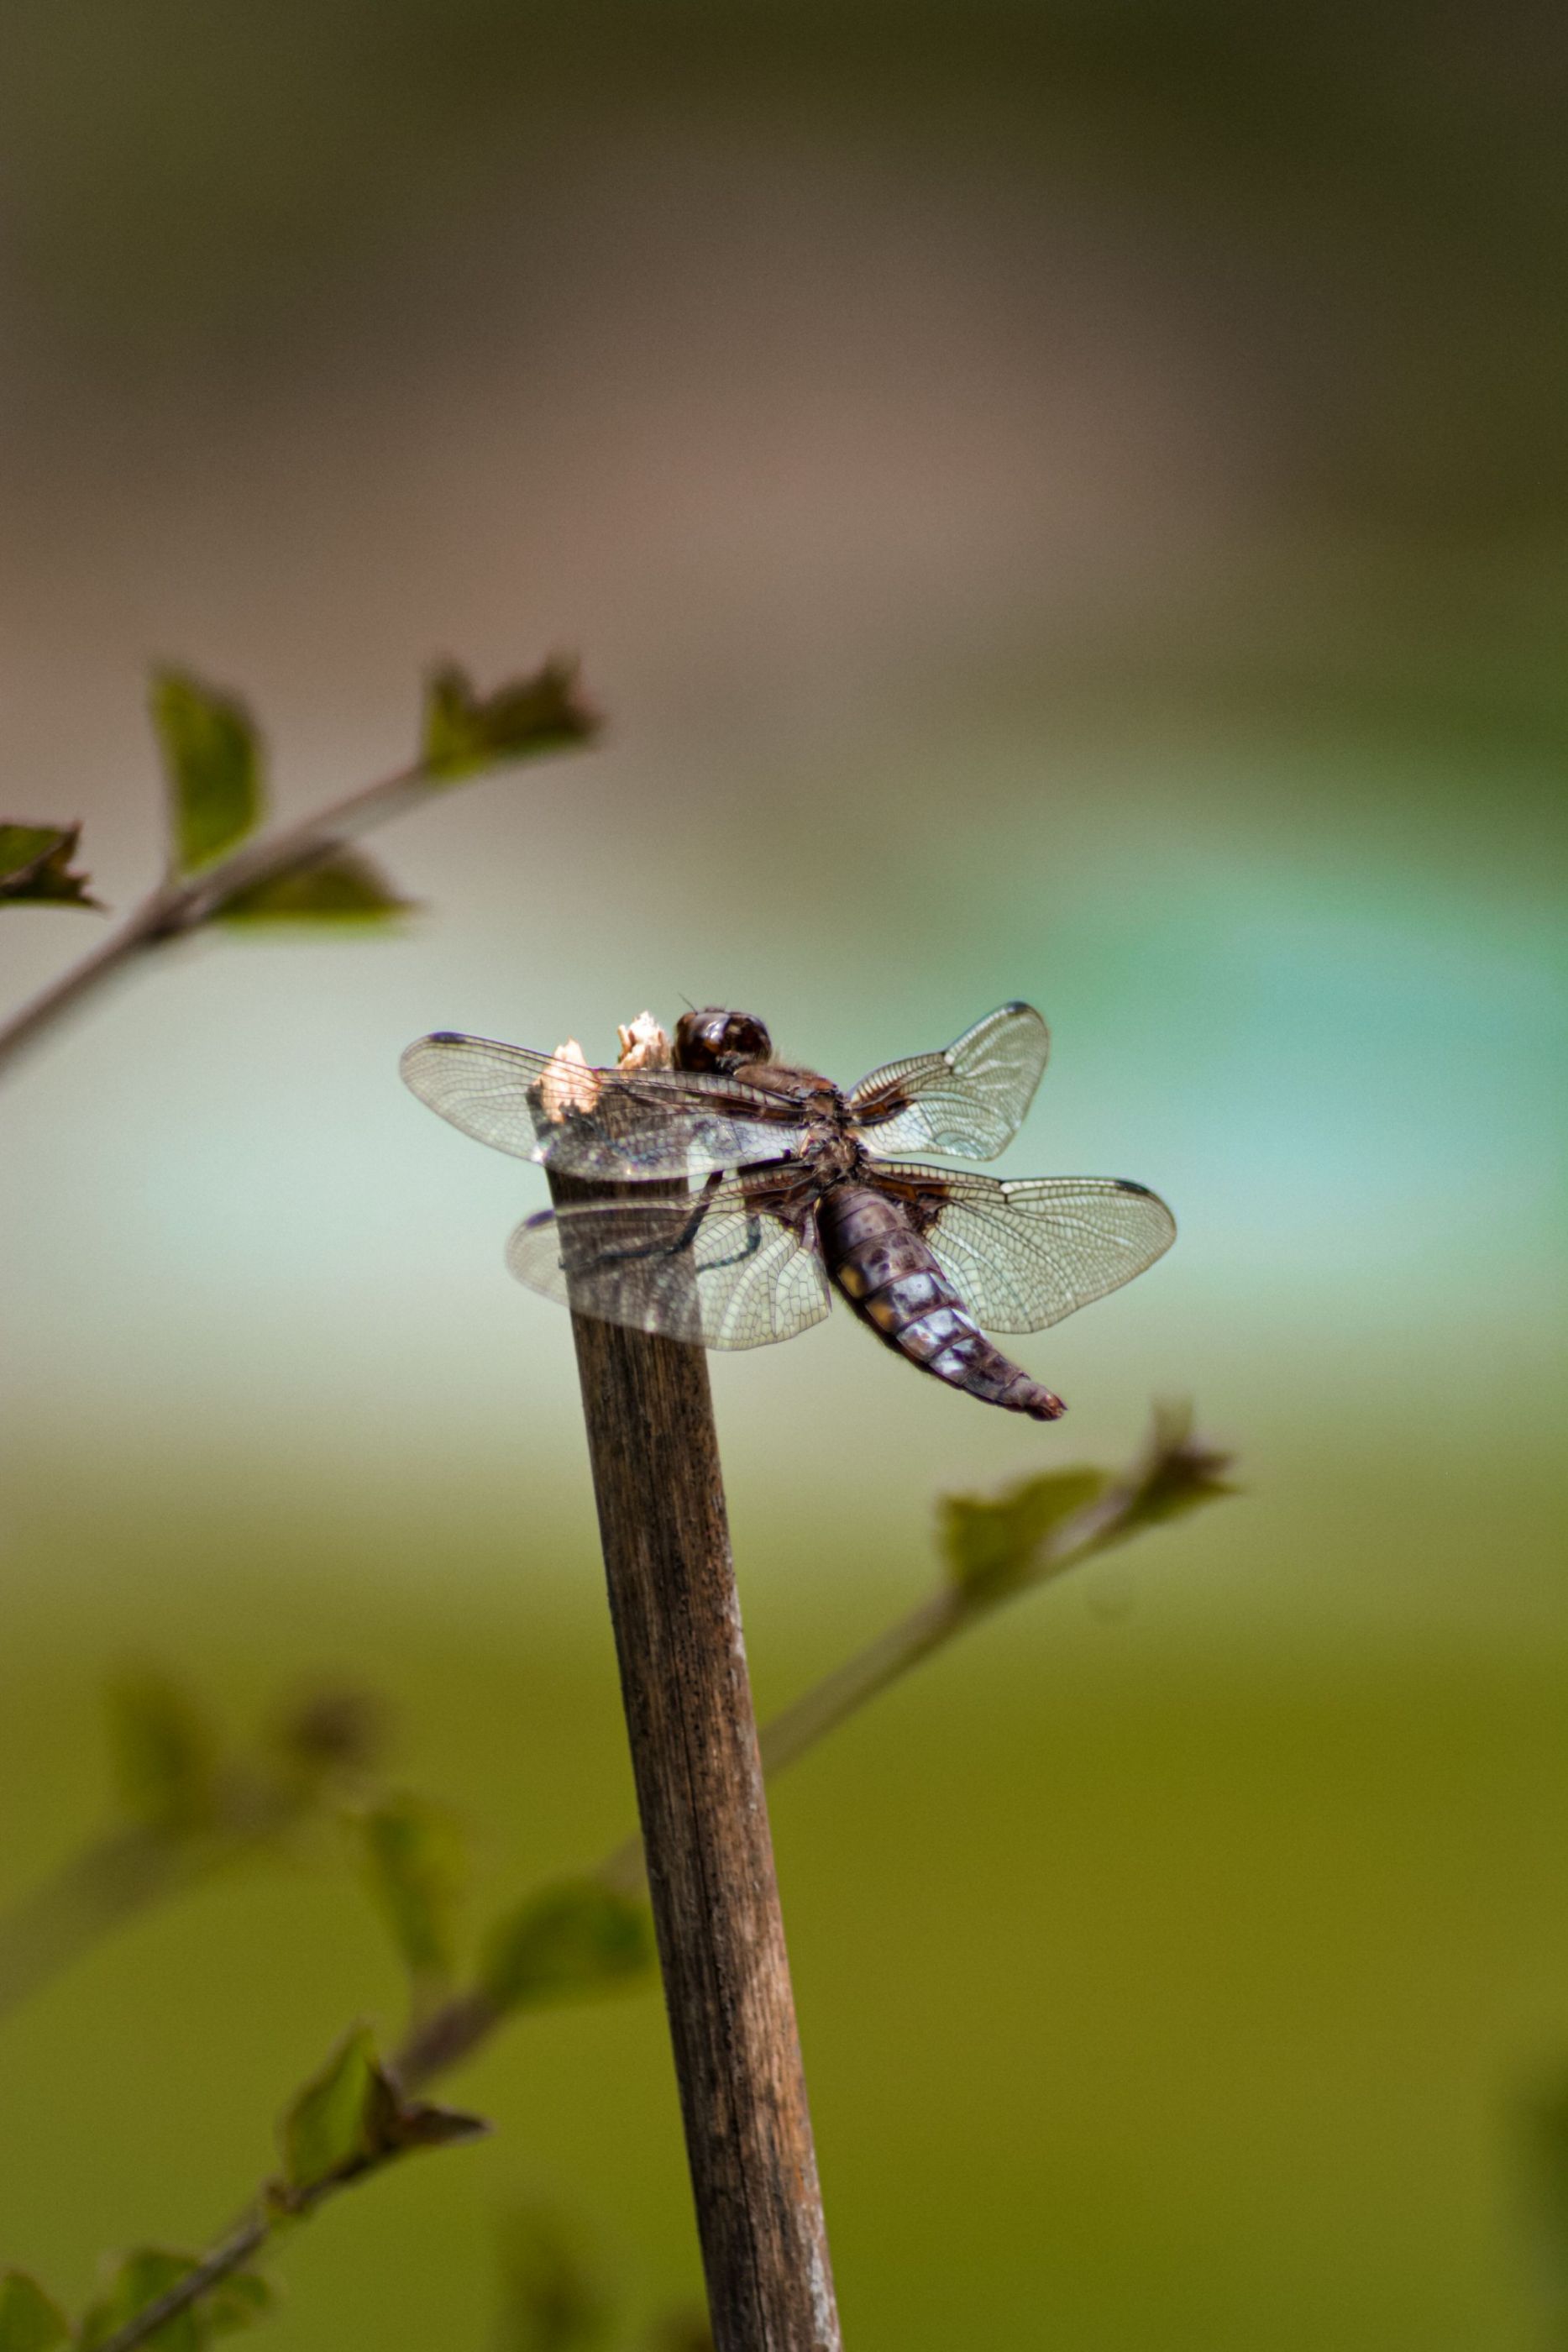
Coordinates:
x,y
687,1698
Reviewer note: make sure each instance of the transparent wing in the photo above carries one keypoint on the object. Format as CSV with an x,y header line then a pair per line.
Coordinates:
x,y
714,1267
1022,1255
969,1100
646,1124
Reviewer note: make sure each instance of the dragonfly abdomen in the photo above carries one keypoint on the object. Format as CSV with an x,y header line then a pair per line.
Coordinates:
x,y
890,1277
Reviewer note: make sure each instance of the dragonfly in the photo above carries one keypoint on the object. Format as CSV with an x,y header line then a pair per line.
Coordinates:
x,y
723,1199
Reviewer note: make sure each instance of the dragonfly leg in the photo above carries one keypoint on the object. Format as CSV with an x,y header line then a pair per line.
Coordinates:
x,y
686,1237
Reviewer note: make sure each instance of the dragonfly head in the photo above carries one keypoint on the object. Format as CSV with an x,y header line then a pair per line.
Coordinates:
x,y
715,1040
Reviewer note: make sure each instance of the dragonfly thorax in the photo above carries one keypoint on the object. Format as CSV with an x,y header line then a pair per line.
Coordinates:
x,y
830,1150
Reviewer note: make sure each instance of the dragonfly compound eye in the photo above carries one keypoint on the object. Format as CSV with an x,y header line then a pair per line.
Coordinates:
x,y
715,1039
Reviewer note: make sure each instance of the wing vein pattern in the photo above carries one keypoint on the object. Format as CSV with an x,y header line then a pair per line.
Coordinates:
x,y
714,1267
1023,1253
644,1125
968,1100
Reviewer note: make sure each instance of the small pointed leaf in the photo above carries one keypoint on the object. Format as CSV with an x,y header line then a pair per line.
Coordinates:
x,y
992,1544
342,886
35,864
331,2129
29,2322
417,2123
1178,1473
212,758
465,732
415,1867
352,2116
166,1754
393,2125
570,1940
141,2278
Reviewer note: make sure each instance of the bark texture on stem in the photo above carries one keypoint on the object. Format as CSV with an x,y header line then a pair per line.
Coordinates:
x,y
687,1699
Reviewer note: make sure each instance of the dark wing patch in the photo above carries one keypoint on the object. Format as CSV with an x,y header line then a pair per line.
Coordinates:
x,y
714,1267
968,1100
646,1124
1024,1254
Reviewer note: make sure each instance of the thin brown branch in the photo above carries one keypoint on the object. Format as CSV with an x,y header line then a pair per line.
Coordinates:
x,y
129,1869
111,956
231,2254
107,1883
467,2021
453,2033
176,907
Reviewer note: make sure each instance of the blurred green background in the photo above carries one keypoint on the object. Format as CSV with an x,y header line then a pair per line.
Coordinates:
x,y
1055,501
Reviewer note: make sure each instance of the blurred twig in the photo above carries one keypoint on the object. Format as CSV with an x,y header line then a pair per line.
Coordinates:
x,y
995,1550
546,712
193,1815
231,2254
1174,1471
109,1882
350,2120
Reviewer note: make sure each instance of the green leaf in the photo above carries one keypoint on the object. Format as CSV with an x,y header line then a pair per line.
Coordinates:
x,y
465,732
140,2279
992,1544
36,863
415,1867
1178,1473
351,2117
570,1940
332,2128
148,2273
236,2301
29,2322
999,1545
211,757
166,1754
553,2298
341,885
